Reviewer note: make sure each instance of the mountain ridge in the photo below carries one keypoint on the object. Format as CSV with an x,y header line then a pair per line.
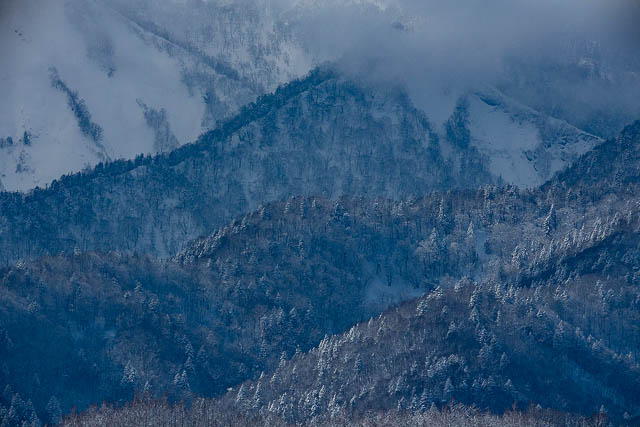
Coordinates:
x,y
181,173
278,279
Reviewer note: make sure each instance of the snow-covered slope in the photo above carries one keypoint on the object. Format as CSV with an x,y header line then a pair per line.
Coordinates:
x,y
521,145
254,37
77,66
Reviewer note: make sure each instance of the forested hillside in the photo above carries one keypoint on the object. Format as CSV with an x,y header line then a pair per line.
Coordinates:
x,y
273,284
319,213
320,135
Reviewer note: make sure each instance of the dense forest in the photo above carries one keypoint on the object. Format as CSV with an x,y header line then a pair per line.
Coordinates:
x,y
272,297
319,213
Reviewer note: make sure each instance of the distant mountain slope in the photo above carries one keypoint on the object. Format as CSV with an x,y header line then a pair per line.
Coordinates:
x,y
250,37
520,145
590,83
152,75
322,134
612,168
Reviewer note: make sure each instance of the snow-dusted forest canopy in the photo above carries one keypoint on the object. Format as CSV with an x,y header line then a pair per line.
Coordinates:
x,y
319,212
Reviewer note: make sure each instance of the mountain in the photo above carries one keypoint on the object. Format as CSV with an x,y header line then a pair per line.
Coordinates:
x,y
490,345
610,170
526,333
253,39
518,144
94,81
216,315
318,134
319,212
589,81
324,134
255,295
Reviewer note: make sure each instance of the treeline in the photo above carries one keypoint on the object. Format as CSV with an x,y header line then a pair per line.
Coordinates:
x,y
210,413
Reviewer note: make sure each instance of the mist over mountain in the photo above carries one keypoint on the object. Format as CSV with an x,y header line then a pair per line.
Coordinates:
x,y
152,75
319,212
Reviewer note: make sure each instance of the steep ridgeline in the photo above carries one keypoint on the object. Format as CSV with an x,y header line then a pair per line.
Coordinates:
x,y
322,134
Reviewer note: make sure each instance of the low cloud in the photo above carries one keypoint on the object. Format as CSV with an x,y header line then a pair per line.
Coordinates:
x,y
577,59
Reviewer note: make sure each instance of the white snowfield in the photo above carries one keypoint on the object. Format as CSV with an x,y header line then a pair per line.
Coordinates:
x,y
522,146
109,74
117,67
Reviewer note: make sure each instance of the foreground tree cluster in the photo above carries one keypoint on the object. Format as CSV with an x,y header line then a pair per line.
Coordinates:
x,y
210,413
